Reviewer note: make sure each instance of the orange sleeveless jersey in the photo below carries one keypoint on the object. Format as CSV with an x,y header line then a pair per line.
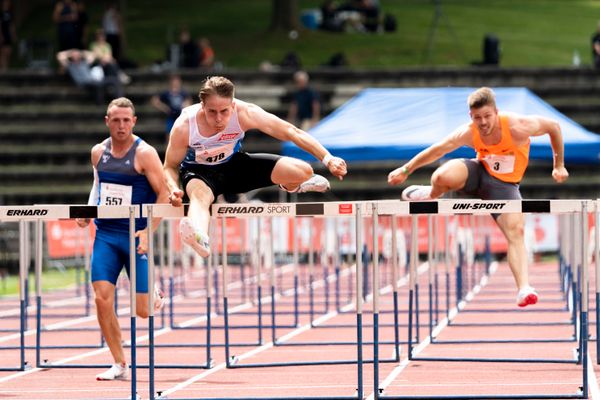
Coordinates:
x,y
504,160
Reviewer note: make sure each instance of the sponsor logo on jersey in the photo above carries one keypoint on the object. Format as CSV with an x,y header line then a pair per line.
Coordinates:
x,y
228,136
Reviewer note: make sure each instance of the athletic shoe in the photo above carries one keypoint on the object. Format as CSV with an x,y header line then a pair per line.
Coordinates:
x,y
116,372
193,237
159,298
416,193
315,183
527,296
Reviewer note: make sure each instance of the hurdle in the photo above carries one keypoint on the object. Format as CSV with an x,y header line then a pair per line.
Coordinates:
x,y
597,276
532,208
573,207
251,282
324,261
270,210
212,290
37,213
486,259
23,266
38,290
304,209
24,215
395,325
166,211
300,210
392,263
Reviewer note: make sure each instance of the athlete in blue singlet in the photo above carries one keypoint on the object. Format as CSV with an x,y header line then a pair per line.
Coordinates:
x,y
127,171
204,152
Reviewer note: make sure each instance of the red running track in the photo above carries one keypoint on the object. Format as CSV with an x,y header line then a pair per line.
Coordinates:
x,y
489,315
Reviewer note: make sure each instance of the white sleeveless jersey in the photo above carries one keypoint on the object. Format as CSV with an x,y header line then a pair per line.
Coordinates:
x,y
215,149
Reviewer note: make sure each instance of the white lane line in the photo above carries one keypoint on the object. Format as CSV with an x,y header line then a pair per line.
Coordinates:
x,y
284,338
140,339
122,311
436,331
105,349
594,390
255,351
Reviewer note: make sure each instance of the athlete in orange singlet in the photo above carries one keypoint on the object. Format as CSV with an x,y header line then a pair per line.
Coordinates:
x,y
502,145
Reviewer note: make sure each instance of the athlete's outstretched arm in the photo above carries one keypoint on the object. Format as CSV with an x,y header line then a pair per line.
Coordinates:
x,y
542,125
176,150
94,192
460,137
151,167
255,117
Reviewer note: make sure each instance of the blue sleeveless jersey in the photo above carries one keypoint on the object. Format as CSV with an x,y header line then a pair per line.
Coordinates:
x,y
120,184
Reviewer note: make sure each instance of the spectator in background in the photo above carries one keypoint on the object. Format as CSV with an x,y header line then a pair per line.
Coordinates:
x,y
189,52
305,107
78,64
82,25
207,54
103,56
112,24
329,20
336,60
371,15
596,47
8,34
351,16
291,60
172,101
65,17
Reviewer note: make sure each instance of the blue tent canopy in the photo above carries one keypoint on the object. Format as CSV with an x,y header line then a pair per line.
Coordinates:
x,y
394,124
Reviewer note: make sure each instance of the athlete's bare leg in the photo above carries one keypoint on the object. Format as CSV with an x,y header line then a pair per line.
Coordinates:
x,y
451,176
201,198
141,305
513,228
194,227
291,172
104,292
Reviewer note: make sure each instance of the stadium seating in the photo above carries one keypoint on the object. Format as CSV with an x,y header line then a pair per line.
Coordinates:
x,y
50,125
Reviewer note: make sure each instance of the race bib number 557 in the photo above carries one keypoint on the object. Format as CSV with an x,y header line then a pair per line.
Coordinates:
x,y
112,194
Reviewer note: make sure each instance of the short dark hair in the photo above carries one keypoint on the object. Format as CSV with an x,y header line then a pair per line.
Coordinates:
x,y
218,85
121,102
483,96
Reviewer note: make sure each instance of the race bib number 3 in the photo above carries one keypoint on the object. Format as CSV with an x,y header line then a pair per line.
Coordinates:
x,y
112,194
504,164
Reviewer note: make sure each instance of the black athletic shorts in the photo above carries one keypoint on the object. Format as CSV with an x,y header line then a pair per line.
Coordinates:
x,y
484,186
241,173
